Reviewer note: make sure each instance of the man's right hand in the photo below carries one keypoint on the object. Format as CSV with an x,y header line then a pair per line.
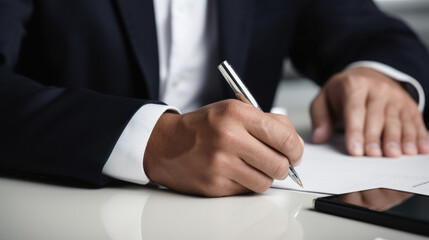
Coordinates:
x,y
222,149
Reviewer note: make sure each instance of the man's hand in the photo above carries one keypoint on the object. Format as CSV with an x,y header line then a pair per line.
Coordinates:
x,y
225,148
379,116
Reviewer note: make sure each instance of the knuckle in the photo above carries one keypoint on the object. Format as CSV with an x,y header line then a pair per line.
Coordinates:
x,y
382,87
391,135
416,118
355,129
218,164
263,185
414,112
289,140
232,108
283,118
408,137
410,114
372,135
281,170
356,81
266,124
227,136
214,186
358,107
213,189
392,112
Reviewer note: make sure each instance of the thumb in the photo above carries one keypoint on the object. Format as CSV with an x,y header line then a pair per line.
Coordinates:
x,y
320,118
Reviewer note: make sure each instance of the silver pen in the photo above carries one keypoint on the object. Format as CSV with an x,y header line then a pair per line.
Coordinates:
x,y
244,95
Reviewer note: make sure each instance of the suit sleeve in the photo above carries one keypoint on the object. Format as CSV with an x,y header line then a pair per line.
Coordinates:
x,y
46,130
334,33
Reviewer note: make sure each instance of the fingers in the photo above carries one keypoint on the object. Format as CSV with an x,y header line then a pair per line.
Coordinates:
x,y
405,131
220,187
354,120
379,116
265,159
392,132
251,149
374,127
284,119
279,135
422,140
236,177
414,132
409,134
249,177
422,137
320,116
229,174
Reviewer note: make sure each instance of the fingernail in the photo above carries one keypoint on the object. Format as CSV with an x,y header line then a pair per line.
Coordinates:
x,y
394,148
373,149
410,148
357,148
424,145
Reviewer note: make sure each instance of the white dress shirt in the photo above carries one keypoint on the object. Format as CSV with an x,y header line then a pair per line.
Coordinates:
x,y
187,50
187,47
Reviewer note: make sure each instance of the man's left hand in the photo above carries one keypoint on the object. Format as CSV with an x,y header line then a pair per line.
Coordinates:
x,y
379,117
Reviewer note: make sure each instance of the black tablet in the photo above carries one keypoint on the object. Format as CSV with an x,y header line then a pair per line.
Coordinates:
x,y
386,207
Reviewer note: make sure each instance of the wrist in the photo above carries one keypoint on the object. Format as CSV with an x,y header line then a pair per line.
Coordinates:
x,y
158,144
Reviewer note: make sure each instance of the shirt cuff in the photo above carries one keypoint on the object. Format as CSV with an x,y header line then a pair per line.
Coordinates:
x,y
416,90
126,160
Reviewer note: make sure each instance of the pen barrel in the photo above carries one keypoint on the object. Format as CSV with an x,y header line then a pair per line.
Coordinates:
x,y
234,81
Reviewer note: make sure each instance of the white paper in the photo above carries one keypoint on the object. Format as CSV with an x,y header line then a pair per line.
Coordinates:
x,y
328,169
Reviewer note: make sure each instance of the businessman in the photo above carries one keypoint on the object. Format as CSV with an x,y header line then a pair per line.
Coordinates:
x,y
128,89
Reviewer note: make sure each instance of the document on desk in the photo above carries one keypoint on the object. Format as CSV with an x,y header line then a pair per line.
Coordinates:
x,y
328,169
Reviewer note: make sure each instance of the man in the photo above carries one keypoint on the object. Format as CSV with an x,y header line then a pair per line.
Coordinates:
x,y
81,80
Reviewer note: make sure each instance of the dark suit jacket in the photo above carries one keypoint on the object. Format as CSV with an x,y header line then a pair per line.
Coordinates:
x,y
72,73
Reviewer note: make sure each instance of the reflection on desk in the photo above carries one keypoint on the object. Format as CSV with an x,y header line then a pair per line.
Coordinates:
x,y
41,211
164,215
37,210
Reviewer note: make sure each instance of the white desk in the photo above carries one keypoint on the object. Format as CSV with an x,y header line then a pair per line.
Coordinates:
x,y
37,210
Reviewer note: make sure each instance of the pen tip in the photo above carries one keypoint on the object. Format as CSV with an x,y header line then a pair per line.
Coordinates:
x,y
300,184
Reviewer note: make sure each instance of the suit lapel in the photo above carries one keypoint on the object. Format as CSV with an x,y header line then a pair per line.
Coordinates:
x,y
234,22
139,21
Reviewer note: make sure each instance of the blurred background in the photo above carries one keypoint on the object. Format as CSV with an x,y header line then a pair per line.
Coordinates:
x,y
295,94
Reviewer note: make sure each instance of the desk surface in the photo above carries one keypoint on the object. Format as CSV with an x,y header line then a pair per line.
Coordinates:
x,y
38,210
